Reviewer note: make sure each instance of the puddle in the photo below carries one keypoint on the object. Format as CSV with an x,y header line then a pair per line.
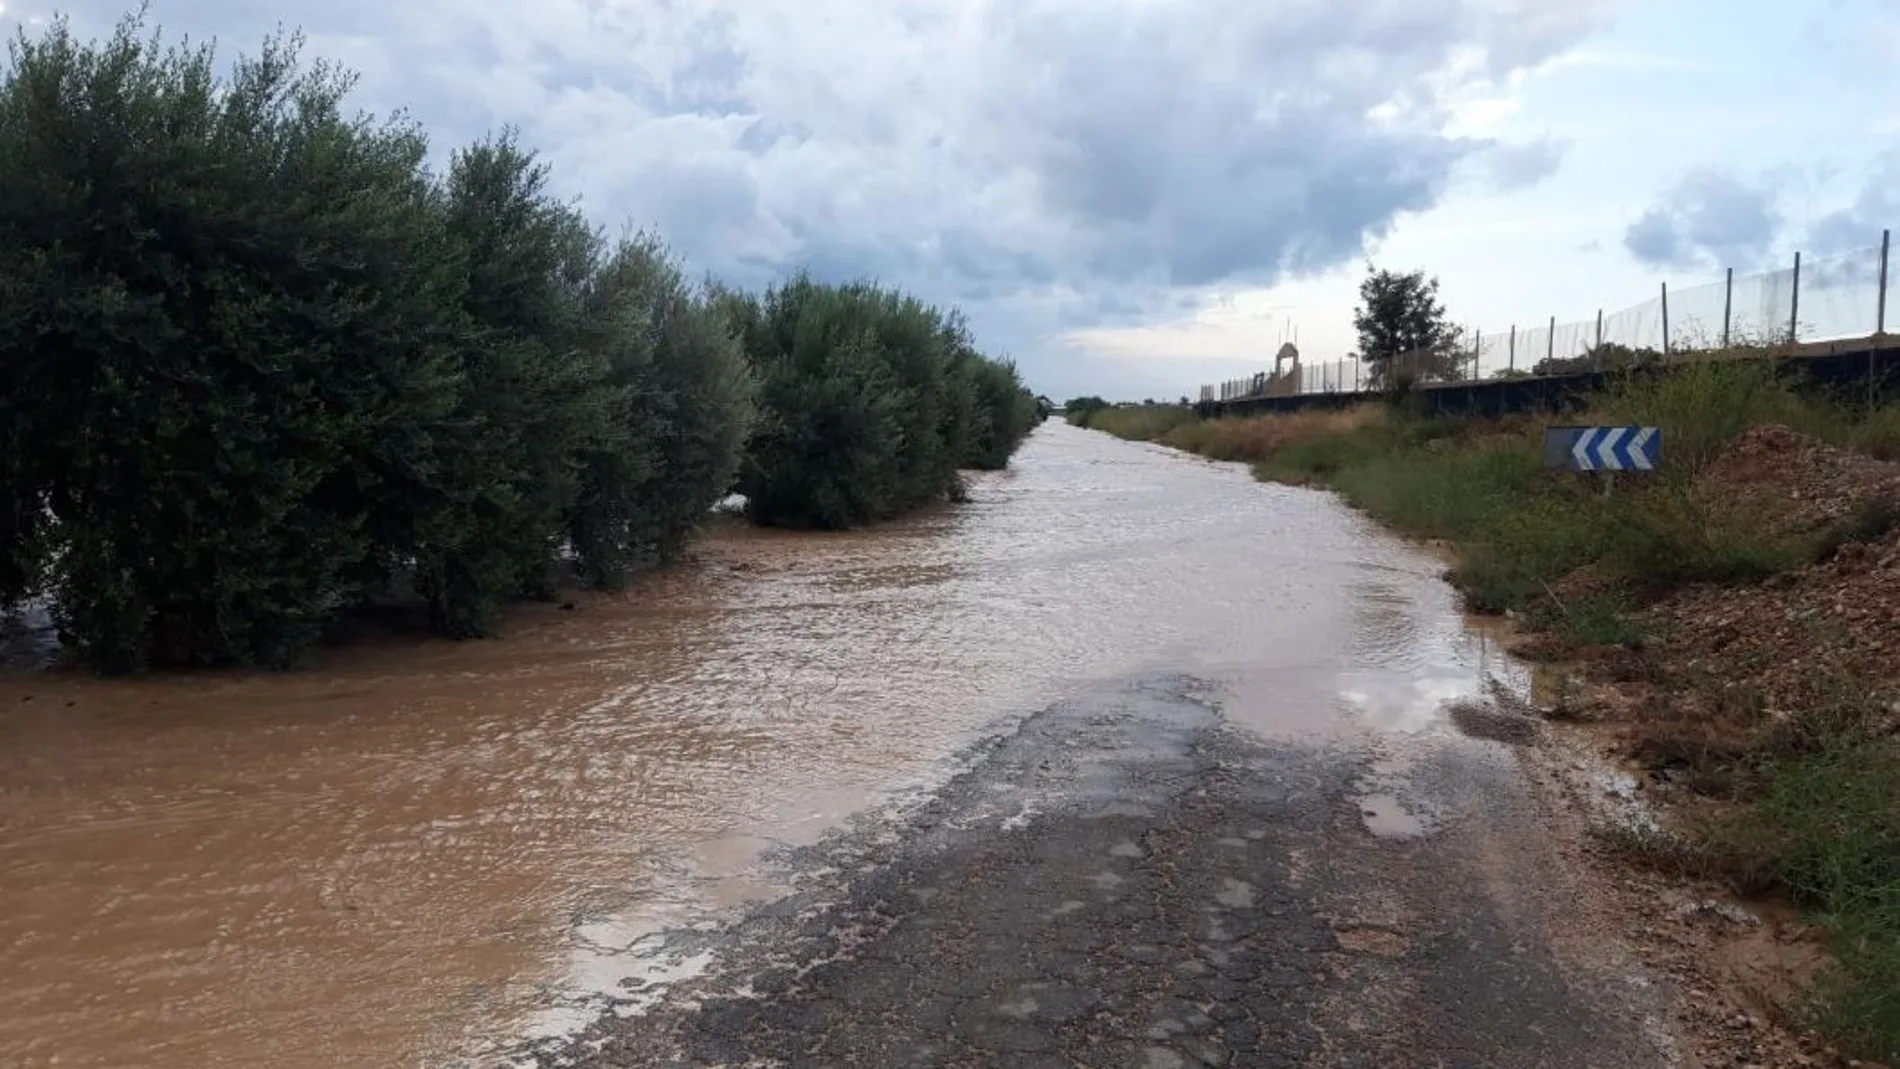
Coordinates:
x,y
1386,818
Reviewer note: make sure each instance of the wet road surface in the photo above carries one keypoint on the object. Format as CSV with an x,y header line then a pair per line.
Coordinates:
x,y
1128,726
1126,881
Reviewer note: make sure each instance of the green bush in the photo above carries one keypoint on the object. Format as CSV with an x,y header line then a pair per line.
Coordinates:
x,y
216,385
679,419
1080,409
870,401
1664,535
1005,412
1703,406
533,396
1874,431
260,366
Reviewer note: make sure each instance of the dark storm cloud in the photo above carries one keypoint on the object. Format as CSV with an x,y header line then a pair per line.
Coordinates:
x,y
1106,152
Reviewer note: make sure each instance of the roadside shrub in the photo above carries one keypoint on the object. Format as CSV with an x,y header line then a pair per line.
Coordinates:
x,y
1079,409
1831,824
532,397
1704,405
1258,438
1874,431
255,333
1606,619
676,429
260,367
1870,522
1005,412
1665,535
870,400
1519,548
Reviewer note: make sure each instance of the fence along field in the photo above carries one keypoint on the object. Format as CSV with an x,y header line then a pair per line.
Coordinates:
x,y
1829,299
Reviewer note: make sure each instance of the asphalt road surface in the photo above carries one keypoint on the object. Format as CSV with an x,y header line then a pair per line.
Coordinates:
x,y
1128,881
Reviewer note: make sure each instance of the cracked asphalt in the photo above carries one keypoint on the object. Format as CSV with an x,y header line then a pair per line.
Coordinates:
x,y
1129,881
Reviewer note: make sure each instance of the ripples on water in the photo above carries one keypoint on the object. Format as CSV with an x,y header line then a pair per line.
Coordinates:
x,y
421,851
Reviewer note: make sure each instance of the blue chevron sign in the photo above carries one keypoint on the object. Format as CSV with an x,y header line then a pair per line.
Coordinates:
x,y
1603,448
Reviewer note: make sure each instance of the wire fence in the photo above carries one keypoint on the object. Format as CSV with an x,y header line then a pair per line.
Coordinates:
x,y
1830,299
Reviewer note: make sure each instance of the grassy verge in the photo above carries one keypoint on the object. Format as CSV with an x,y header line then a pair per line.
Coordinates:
x,y
1810,798
1144,423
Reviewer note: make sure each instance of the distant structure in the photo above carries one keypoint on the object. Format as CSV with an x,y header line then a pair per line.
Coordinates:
x,y
1285,380
1282,381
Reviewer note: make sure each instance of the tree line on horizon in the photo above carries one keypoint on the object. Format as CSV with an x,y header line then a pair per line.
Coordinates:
x,y
261,366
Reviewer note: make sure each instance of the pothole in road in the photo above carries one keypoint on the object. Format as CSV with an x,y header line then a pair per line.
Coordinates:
x,y
1386,818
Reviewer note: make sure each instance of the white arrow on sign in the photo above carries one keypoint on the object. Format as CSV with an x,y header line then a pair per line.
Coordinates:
x,y
1581,451
1613,449
1639,449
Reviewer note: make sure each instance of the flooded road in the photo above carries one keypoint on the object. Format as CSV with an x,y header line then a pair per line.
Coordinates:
x,y
421,854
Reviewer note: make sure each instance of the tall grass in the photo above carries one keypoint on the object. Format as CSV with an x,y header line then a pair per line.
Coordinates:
x,y
1255,439
1875,432
1830,822
1703,406
1145,423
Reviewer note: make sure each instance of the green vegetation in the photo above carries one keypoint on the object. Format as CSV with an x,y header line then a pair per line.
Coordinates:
x,y
1813,801
870,402
1404,333
260,366
1137,422
1080,409
1482,485
1832,834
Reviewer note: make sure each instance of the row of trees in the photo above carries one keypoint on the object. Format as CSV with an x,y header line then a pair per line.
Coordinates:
x,y
870,403
260,366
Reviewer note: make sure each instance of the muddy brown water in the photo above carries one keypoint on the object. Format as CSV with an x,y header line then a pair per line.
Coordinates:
x,y
423,853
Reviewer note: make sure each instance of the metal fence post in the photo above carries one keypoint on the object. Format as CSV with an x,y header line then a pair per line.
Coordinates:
x,y
1665,311
1513,357
1880,318
1880,306
1599,345
1550,344
1794,305
1728,303
1477,353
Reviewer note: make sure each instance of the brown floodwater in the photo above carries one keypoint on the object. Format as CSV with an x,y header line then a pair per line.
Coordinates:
x,y
422,853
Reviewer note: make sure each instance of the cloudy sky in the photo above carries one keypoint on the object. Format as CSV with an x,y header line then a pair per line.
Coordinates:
x,y
1132,197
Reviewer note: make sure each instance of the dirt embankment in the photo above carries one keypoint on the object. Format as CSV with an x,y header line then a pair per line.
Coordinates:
x,y
1729,687
1799,638
1744,658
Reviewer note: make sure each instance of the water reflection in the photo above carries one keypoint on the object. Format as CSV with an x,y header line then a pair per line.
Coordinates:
x,y
420,852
